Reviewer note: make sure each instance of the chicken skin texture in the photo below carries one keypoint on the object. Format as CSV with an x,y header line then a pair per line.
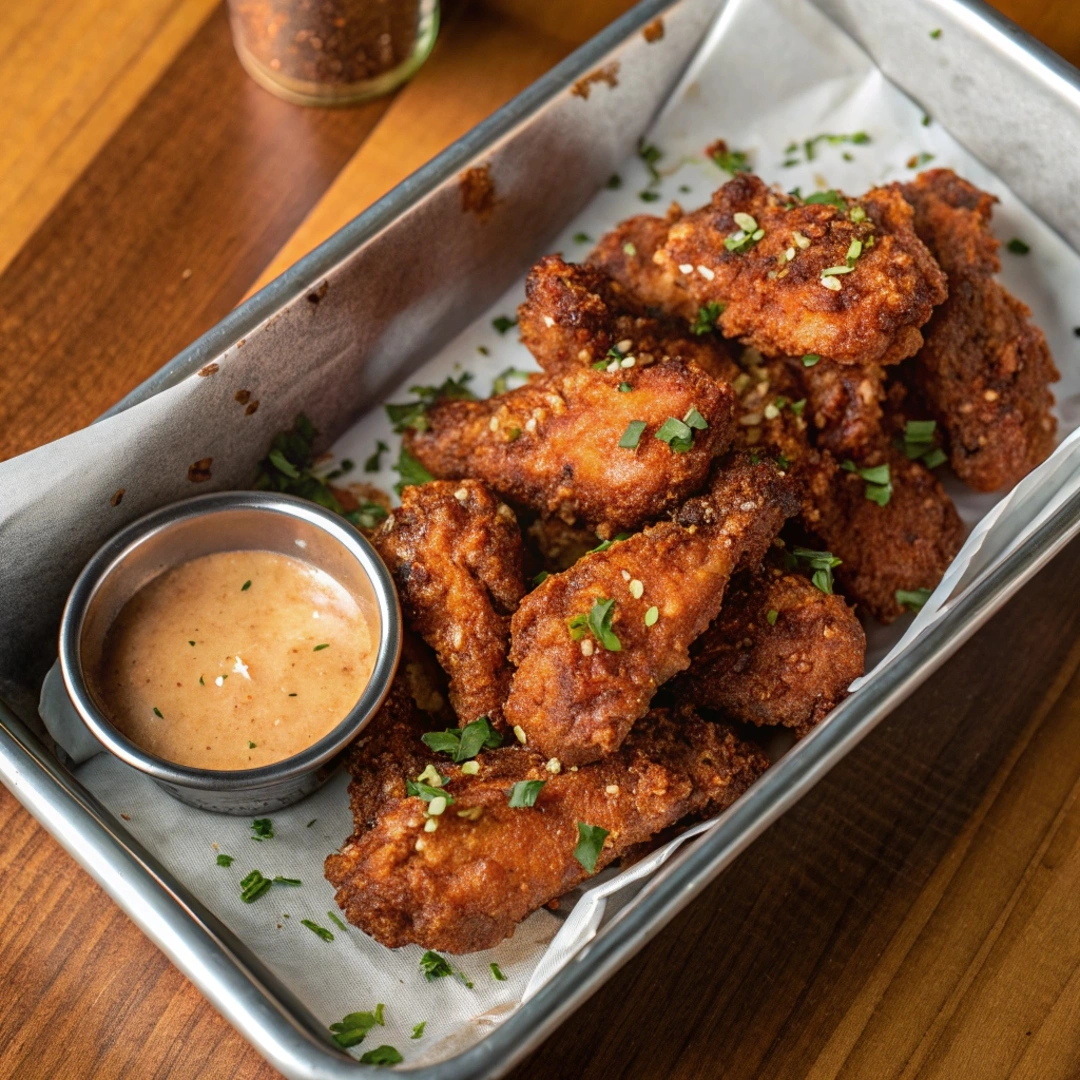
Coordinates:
x,y
906,544
772,287
487,866
985,370
455,553
844,406
577,316
577,698
553,445
781,652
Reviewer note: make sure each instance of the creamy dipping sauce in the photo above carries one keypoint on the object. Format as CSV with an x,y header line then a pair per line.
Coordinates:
x,y
235,660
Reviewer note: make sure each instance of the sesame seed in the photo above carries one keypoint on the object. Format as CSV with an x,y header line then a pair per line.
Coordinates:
x,y
554,766
612,789
420,845
636,589
706,273
790,253
831,283
548,320
586,647
628,362
431,824
462,494
626,575
990,395
470,768
800,240
519,734
686,268
771,411
613,366
625,345
494,424
530,424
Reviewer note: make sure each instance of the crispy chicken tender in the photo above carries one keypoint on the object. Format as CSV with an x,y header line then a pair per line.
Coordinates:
x,y
467,885
780,652
985,369
773,290
553,445
574,697
907,544
576,316
455,553
627,253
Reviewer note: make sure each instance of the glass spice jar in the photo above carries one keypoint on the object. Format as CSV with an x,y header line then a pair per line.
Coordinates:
x,y
332,52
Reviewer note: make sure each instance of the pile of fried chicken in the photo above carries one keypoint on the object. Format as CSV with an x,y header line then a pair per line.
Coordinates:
x,y
735,402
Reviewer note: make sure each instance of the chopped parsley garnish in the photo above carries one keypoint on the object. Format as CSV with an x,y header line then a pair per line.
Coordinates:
x,y
374,463
605,544
224,860
649,196
317,930
809,146
279,880
251,745
679,434
413,414
632,435
878,481
746,236
201,683
926,120
433,966
590,843
314,819
771,616
614,182
524,793
253,886
352,1029
832,197
336,921
540,578
157,713
381,1055
625,388
821,563
836,271
853,252
919,443
629,249
731,161
651,616
319,648
502,323
582,238
262,829
707,317
650,155
192,644
1017,246
368,515
463,744
496,973
598,621
245,586
810,359
913,599
483,350
935,34
418,1030
798,406
411,471
501,382
916,161
428,793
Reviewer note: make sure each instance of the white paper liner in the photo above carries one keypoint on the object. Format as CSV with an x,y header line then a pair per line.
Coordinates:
x,y
773,71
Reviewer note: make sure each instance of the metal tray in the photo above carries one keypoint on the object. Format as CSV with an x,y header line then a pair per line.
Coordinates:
x,y
1005,97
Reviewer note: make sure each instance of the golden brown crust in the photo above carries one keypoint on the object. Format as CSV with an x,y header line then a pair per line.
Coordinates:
x,y
843,405
465,886
873,317
985,369
575,699
780,652
553,445
456,556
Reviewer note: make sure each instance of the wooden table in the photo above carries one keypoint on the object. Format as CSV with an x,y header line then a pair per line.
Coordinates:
x,y
918,915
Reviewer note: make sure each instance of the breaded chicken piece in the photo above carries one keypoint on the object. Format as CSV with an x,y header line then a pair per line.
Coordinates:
x,y
773,287
906,544
780,652
627,253
844,406
455,553
985,370
465,886
553,445
576,316
584,677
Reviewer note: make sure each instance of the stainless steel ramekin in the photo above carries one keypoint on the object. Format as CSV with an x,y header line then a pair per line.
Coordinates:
x,y
229,521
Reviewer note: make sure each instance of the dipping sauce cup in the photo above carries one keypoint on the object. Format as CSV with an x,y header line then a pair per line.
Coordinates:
x,y
206,525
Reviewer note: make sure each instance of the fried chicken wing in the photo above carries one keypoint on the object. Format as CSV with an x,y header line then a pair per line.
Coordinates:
x,y
778,291
554,445
844,405
780,652
578,316
906,544
456,556
592,645
985,370
465,886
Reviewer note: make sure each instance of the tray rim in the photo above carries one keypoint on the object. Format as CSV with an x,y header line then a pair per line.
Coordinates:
x,y
229,974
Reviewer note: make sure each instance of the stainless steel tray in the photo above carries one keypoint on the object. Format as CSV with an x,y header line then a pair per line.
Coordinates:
x,y
1006,98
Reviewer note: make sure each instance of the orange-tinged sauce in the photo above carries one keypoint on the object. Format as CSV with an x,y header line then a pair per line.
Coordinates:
x,y
201,668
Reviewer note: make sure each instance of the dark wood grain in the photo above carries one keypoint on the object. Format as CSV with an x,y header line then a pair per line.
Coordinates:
x,y
160,237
